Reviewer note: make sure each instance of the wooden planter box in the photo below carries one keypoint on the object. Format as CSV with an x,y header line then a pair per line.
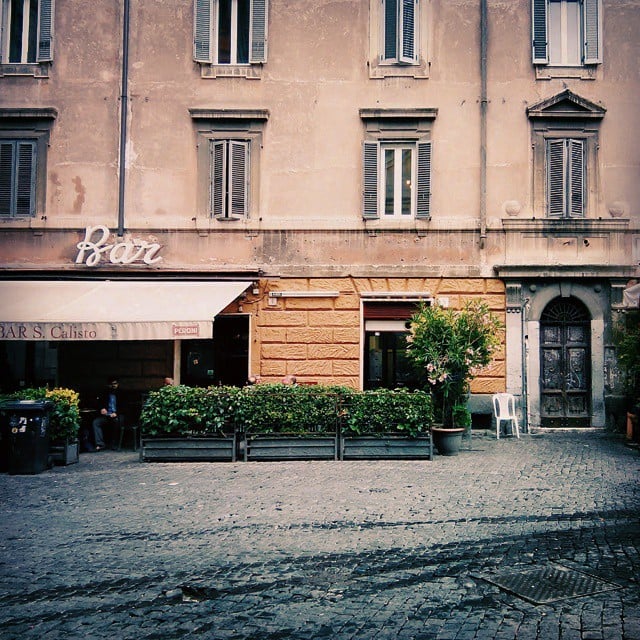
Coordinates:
x,y
64,453
215,449
386,447
283,447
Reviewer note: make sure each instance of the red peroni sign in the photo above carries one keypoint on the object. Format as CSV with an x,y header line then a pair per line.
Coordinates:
x,y
96,246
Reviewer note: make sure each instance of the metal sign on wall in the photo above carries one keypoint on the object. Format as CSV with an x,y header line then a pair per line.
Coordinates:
x,y
96,248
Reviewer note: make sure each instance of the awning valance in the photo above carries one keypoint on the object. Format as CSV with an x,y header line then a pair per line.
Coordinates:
x,y
112,309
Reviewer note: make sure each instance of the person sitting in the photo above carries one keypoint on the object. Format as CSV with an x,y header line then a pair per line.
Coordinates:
x,y
106,427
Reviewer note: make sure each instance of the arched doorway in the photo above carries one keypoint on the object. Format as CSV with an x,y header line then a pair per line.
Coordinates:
x,y
565,364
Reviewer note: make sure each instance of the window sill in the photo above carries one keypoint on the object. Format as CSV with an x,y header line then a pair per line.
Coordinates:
x,y
380,71
39,70
549,72
248,71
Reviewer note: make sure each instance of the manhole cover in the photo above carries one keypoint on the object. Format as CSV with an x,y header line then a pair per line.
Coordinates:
x,y
541,585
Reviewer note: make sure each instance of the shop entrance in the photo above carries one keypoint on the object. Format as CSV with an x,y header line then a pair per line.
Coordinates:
x,y
565,363
224,360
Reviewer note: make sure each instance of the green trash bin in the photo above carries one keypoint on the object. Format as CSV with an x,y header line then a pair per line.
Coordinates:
x,y
27,425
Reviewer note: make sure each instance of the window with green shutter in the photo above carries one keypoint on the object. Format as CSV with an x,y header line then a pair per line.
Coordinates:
x,y
26,31
566,32
229,178
230,32
565,178
17,178
399,31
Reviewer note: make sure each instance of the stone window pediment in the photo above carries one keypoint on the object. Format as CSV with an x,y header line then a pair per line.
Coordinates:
x,y
566,105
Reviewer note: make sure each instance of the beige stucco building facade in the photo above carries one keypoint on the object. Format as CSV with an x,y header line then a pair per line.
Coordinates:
x,y
338,162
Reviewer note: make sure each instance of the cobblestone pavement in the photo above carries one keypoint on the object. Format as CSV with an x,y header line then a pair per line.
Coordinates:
x,y
114,548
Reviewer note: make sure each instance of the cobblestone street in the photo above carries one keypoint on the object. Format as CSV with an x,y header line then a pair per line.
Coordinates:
x,y
114,548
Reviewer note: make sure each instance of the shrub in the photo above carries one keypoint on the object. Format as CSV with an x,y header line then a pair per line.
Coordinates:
x,y
189,411
281,408
388,411
64,421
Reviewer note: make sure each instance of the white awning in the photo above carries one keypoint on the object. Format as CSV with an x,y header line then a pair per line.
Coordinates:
x,y
112,309
632,296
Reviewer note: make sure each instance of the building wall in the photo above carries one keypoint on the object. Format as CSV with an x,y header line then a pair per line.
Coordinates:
x,y
306,227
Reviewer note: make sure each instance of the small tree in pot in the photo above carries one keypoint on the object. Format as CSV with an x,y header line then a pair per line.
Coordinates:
x,y
450,347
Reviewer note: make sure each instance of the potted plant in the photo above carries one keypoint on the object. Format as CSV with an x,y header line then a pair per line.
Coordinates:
x,y
450,347
386,424
181,423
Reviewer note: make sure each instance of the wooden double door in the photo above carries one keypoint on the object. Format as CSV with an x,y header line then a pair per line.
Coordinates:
x,y
565,364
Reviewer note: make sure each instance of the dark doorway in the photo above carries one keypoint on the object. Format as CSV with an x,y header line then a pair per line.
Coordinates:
x,y
231,349
385,361
565,364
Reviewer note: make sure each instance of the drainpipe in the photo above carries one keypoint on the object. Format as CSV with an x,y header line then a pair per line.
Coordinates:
x,y
483,122
123,117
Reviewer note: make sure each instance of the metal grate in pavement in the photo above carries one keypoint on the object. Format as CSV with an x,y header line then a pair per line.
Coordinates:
x,y
550,583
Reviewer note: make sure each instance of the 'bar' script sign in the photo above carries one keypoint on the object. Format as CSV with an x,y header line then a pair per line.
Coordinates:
x,y
96,246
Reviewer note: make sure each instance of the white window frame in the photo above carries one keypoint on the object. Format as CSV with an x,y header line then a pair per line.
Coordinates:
x,y
205,39
590,33
397,149
42,48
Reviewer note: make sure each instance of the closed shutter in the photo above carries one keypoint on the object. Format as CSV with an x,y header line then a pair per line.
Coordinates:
x,y
370,191
540,31
555,178
239,164
592,19
258,27
17,178
423,193
6,178
218,178
390,29
45,30
576,178
202,32
407,37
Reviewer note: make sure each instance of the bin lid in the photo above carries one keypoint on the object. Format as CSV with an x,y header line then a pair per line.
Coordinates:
x,y
26,405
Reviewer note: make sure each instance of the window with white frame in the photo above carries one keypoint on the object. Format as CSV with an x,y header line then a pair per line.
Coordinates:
x,y
397,163
229,144
26,27
24,137
567,33
230,32
565,173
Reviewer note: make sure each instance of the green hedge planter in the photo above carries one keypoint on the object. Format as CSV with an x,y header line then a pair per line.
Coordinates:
x,y
64,453
185,449
386,447
293,447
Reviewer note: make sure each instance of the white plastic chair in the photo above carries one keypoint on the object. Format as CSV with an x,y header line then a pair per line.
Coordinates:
x,y
504,408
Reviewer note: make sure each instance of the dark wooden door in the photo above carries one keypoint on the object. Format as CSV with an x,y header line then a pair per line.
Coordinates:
x,y
565,364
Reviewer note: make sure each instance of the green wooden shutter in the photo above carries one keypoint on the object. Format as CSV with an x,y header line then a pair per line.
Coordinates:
x,y
575,175
408,26
25,179
202,30
390,50
556,170
540,31
258,29
6,178
592,28
238,178
45,30
370,192
423,189
218,178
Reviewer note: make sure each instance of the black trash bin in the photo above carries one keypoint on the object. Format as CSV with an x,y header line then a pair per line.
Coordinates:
x,y
27,424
